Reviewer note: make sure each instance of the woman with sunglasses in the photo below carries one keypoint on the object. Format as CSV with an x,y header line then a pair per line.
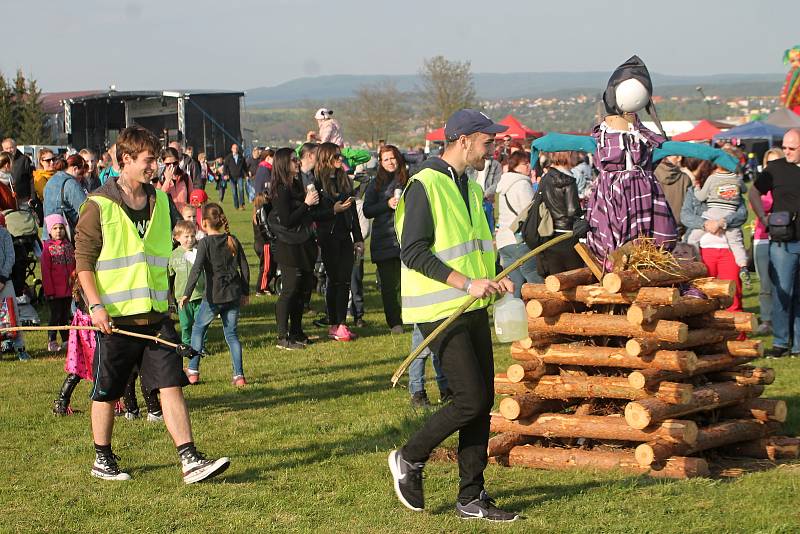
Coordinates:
x,y
174,181
339,235
44,171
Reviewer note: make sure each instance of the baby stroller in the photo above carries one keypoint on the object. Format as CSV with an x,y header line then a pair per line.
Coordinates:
x,y
21,224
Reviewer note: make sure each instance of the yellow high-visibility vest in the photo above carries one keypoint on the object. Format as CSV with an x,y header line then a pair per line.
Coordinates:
x,y
462,241
131,272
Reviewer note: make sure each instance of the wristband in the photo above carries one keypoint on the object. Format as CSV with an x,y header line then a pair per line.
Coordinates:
x,y
93,306
467,285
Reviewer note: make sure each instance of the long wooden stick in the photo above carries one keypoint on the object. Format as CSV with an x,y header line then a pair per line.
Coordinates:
x,y
91,328
461,309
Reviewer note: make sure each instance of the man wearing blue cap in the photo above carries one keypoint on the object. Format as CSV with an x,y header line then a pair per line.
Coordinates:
x,y
448,255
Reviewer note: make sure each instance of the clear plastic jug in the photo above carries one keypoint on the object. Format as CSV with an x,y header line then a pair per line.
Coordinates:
x,y
510,319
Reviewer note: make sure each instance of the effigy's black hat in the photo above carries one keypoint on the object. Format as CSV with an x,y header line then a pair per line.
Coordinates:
x,y
635,69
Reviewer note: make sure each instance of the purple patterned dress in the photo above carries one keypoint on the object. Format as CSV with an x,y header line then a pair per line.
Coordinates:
x,y
627,201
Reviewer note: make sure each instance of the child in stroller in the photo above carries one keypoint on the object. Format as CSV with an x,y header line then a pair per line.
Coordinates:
x,y
21,224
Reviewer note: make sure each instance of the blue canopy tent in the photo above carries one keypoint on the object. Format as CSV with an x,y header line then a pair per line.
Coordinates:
x,y
756,137
752,130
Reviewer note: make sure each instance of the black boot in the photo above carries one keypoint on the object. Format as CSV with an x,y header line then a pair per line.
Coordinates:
x,y
61,404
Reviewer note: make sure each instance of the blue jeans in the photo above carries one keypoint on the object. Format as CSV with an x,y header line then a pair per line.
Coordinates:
x,y
416,371
525,273
488,209
784,261
761,253
238,192
356,307
229,313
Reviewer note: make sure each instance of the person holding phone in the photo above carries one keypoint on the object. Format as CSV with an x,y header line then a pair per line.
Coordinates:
x,y
174,181
339,235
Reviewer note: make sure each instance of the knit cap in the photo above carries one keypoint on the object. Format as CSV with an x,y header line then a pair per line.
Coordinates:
x,y
54,219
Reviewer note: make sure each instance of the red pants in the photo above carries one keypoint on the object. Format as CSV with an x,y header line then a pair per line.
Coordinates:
x,y
721,265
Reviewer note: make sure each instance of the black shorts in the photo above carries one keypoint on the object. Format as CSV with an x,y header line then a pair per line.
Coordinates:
x,y
117,355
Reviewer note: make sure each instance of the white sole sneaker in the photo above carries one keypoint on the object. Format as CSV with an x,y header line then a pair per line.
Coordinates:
x,y
205,472
396,476
98,472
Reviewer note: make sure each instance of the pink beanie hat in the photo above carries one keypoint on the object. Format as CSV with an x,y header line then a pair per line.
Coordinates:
x,y
54,219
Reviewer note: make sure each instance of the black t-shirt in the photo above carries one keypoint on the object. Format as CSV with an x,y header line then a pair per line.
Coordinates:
x,y
783,179
140,218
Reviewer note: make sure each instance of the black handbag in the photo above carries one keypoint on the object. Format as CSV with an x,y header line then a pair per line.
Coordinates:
x,y
782,226
296,235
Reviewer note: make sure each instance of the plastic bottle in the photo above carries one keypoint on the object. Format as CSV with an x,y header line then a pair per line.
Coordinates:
x,y
510,319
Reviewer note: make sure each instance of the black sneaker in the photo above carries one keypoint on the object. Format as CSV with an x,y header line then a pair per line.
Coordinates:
x,y
287,344
321,322
744,276
776,351
105,467
483,508
301,339
197,467
407,481
445,396
419,401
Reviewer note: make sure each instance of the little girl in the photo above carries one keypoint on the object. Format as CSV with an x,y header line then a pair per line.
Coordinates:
x,y
221,257
80,353
58,264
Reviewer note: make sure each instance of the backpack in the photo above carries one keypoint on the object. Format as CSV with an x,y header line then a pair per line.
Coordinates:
x,y
537,228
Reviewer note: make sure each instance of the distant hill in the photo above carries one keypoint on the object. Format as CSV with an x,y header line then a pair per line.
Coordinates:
x,y
512,85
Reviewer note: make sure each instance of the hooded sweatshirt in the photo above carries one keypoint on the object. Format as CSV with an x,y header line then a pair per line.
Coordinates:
x,y
515,194
674,182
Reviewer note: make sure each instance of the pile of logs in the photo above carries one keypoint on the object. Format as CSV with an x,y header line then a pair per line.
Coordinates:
x,y
625,373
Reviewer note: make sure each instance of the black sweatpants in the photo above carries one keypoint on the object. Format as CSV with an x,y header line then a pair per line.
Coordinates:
x,y
60,315
389,272
338,257
559,258
289,308
465,351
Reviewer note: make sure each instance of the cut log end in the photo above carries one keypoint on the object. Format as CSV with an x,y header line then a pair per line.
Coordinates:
x,y
637,416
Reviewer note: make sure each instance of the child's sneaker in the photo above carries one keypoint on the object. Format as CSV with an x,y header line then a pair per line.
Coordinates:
x,y
239,381
744,275
23,355
193,376
53,346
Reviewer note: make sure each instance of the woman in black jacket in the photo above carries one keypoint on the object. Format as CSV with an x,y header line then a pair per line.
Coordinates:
x,y
560,195
380,201
290,220
339,235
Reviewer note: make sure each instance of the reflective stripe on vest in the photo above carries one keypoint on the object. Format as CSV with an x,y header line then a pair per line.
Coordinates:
x,y
131,272
462,241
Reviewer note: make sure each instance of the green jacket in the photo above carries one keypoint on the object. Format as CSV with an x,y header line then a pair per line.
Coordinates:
x,y
179,267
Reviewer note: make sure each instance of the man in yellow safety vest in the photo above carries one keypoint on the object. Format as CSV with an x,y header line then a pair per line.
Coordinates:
x,y
122,247
447,253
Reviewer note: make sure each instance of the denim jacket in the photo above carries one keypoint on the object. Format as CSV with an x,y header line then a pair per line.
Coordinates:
x,y
74,196
692,213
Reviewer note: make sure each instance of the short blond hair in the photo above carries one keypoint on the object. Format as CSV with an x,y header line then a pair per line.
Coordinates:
x,y
182,227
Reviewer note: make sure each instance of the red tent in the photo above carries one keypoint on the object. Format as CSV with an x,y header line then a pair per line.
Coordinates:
x,y
435,135
704,131
516,129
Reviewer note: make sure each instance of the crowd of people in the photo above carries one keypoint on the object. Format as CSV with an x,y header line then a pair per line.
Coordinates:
x,y
313,207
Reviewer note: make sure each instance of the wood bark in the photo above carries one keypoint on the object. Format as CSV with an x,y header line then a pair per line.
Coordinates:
x,y
761,409
595,294
550,425
550,307
771,448
579,387
648,378
642,413
528,405
725,320
749,348
527,370
716,288
501,444
592,356
695,338
746,375
709,437
569,279
564,459
684,307
596,324
623,281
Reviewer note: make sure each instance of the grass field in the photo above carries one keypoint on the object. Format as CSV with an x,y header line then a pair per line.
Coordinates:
x,y
308,439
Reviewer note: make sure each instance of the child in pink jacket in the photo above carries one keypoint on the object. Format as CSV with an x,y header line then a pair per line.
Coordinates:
x,y
58,263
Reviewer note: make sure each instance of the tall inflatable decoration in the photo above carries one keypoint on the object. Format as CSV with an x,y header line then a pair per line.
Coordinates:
x,y
790,94
628,201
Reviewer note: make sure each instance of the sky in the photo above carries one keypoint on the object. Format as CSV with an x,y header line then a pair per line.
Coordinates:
x,y
243,44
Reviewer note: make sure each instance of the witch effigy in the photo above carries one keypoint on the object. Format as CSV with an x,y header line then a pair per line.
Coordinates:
x,y
627,202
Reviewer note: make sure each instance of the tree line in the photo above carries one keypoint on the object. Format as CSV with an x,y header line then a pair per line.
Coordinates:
x,y
21,114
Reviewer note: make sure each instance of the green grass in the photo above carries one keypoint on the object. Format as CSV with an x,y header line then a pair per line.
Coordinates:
x,y
308,441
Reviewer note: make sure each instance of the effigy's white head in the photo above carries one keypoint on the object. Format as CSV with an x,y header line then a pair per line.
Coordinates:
x,y
631,96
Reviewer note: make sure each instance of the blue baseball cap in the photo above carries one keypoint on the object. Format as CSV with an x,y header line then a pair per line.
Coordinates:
x,y
470,121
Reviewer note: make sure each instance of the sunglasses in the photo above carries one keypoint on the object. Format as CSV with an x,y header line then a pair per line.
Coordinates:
x,y
793,148
47,160
171,163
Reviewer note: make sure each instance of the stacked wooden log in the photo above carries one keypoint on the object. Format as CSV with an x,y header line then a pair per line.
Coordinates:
x,y
625,373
